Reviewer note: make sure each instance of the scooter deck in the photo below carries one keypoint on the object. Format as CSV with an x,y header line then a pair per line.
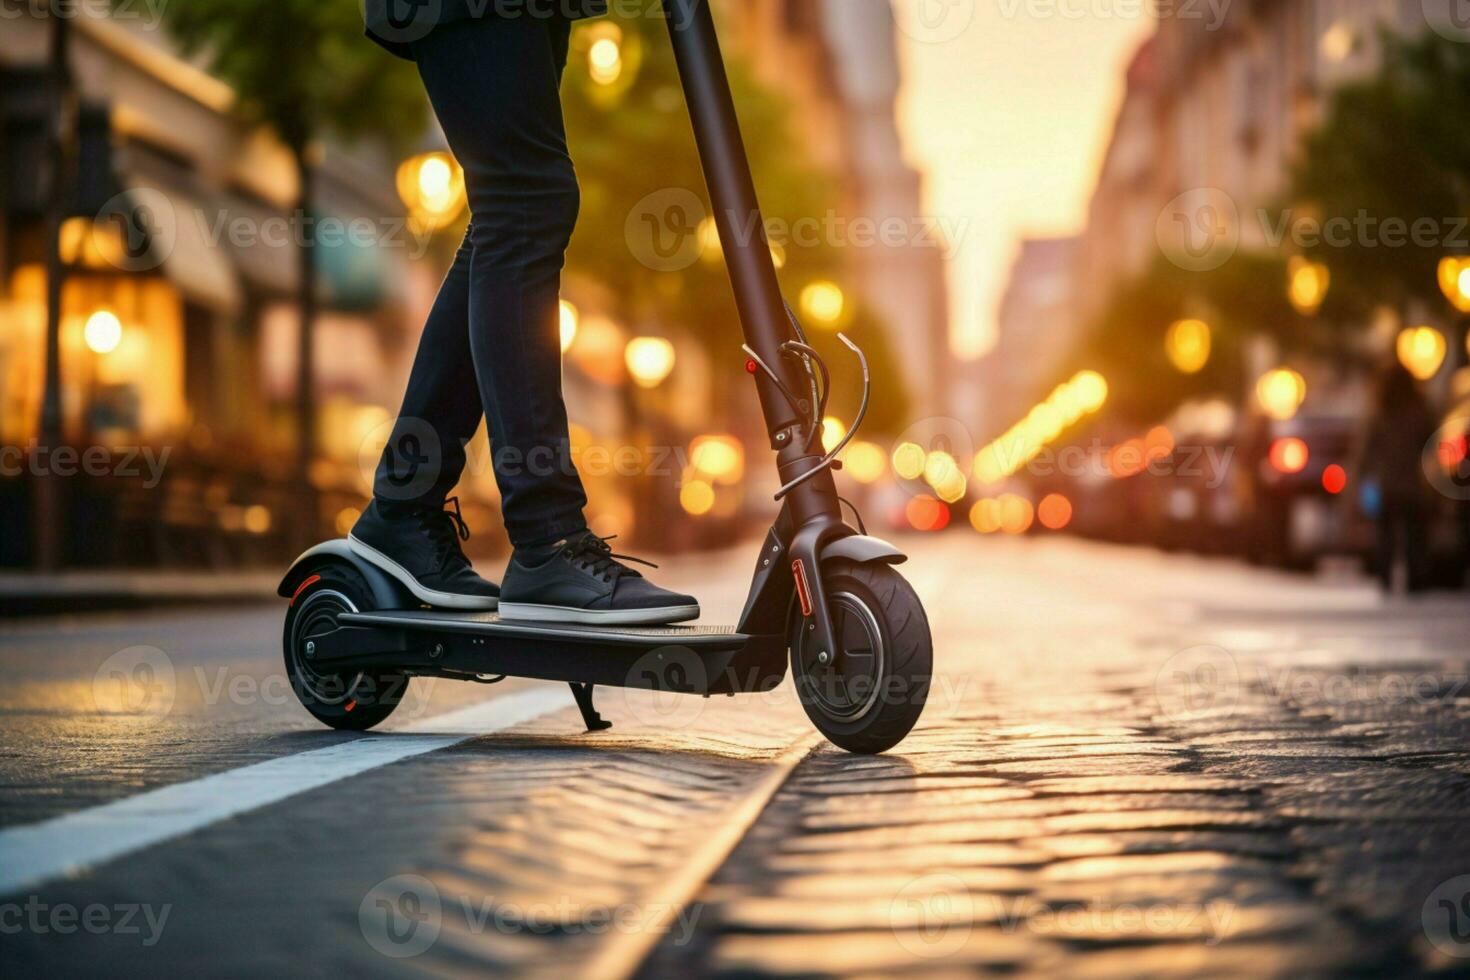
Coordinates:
x,y
682,659
713,637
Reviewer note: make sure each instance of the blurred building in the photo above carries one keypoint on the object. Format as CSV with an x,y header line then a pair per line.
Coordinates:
x,y
1224,106
838,60
1035,330
178,318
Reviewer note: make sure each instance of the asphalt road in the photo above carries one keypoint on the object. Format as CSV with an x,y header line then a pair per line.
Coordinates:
x,y
1131,764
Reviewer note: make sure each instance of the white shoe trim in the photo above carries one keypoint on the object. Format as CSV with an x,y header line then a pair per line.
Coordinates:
x,y
446,600
540,613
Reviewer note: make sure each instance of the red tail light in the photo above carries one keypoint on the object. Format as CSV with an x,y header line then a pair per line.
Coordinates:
x,y
1334,478
1288,455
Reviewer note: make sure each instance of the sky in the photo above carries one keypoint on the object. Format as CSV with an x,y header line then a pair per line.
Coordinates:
x,y
1006,108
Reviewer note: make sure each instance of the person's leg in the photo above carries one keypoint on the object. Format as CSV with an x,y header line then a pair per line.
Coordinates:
x,y
494,85
425,454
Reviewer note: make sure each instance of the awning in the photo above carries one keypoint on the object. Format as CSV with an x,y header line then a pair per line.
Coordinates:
x,y
178,243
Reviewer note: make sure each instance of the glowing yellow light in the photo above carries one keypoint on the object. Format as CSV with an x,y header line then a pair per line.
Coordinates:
x,y
431,186
864,461
908,460
1016,513
102,332
778,255
1091,390
823,301
346,518
697,497
1306,284
1188,345
988,468
721,458
938,466
569,319
1422,351
952,486
709,241
1280,392
833,431
649,360
435,179
1338,41
1454,281
605,61
257,519
985,515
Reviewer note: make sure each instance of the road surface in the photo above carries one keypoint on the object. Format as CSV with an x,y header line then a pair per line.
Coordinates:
x,y
1131,764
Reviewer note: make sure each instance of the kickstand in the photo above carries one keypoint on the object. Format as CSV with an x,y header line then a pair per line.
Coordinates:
x,y
593,720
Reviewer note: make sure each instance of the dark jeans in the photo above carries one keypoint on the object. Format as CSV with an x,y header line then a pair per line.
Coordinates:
x,y
492,341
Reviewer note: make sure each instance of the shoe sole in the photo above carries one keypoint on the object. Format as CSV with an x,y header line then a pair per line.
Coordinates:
x,y
657,616
444,600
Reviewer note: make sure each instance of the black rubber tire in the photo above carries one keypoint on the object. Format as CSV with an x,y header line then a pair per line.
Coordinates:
x,y
354,702
906,657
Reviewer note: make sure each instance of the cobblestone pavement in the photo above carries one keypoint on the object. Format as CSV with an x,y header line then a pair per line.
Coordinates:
x,y
1131,764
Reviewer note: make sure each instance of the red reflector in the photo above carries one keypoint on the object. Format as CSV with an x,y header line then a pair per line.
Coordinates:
x,y
750,366
350,705
803,595
310,580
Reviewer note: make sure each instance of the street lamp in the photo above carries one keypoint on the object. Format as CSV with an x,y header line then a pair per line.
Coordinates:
x,y
1306,284
1280,392
824,303
102,332
1188,345
568,325
1454,281
431,186
649,360
1421,350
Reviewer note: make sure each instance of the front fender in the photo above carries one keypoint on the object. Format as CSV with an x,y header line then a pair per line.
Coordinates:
x,y
862,548
387,592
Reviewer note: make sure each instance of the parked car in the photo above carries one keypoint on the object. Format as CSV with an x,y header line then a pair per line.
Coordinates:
x,y
1301,505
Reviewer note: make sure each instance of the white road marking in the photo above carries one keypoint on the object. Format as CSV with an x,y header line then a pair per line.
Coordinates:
x,y
73,842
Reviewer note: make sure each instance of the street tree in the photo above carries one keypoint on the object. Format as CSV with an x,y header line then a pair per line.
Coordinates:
x,y
303,69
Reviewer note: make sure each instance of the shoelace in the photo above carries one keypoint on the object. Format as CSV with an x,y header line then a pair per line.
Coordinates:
x,y
446,528
596,555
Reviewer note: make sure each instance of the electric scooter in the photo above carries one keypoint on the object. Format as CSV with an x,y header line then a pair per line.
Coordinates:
x,y
823,593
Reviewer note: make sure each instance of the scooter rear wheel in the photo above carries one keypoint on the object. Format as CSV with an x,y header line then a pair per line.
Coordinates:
x,y
354,700
868,696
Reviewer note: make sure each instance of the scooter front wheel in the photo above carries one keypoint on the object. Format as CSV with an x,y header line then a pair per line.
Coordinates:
x,y
353,700
866,695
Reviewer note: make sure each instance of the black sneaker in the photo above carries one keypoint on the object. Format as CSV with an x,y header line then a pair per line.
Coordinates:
x,y
582,581
421,549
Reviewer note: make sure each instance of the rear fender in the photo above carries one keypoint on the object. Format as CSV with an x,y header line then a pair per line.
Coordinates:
x,y
387,592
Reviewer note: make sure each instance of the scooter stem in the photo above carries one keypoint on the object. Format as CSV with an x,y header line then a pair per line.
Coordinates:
x,y
737,213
